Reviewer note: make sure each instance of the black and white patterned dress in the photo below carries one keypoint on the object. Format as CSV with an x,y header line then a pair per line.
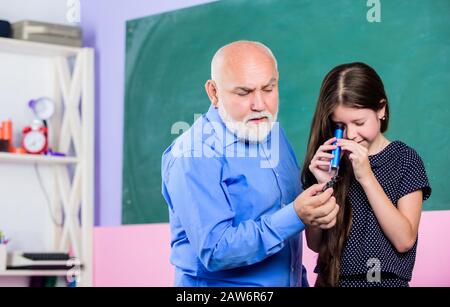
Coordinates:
x,y
400,171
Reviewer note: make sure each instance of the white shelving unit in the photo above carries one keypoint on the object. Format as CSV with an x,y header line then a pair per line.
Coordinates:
x,y
26,158
72,131
34,273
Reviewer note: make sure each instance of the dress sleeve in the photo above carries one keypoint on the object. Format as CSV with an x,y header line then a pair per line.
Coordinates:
x,y
414,176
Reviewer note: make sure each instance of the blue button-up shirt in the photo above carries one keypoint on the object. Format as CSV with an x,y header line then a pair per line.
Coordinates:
x,y
231,208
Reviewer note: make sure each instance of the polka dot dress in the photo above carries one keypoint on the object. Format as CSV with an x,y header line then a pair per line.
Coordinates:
x,y
384,282
400,171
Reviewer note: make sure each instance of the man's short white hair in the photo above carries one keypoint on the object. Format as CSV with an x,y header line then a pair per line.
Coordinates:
x,y
218,54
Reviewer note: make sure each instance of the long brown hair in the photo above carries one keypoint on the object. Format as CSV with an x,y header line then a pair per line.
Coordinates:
x,y
355,85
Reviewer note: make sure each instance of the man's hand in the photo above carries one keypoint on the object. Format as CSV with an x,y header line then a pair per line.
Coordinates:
x,y
317,210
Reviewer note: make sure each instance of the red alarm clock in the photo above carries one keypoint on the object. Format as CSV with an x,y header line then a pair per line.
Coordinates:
x,y
35,138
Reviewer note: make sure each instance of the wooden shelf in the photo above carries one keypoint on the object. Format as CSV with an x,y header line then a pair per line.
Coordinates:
x,y
34,273
18,46
41,159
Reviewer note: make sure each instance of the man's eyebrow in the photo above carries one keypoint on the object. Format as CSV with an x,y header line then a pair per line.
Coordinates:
x,y
271,81
247,89
243,88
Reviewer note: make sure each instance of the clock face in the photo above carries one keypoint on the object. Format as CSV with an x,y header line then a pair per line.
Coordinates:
x,y
34,141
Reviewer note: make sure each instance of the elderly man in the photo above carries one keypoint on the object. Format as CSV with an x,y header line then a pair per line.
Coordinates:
x,y
232,183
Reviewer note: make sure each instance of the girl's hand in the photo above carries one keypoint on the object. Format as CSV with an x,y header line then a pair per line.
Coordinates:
x,y
320,163
359,156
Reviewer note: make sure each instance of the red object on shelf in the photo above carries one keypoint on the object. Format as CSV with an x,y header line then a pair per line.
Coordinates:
x,y
38,136
7,133
19,150
7,129
4,144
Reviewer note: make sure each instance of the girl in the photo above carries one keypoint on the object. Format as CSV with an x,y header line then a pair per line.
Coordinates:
x,y
381,191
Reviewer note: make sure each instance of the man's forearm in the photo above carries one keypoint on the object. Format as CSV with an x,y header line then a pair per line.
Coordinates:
x,y
250,241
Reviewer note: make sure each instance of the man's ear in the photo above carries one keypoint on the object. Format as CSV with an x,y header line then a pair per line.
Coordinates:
x,y
211,90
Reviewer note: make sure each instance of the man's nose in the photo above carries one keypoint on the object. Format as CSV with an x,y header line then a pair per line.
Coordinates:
x,y
258,103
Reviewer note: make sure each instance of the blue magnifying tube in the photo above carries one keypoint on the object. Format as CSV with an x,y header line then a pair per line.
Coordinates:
x,y
338,134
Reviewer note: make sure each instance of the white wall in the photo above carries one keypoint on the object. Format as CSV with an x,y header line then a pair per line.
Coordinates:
x,y
23,207
54,11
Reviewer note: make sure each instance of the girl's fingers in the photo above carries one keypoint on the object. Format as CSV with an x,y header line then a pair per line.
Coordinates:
x,y
324,168
343,142
323,148
322,162
355,148
324,155
330,141
352,152
347,148
317,164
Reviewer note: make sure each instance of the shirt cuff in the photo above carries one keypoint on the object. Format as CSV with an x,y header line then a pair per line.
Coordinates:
x,y
286,222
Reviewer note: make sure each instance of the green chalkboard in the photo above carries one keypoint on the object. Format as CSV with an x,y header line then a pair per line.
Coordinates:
x,y
168,58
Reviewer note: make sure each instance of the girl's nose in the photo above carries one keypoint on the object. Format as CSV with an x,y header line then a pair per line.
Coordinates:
x,y
349,134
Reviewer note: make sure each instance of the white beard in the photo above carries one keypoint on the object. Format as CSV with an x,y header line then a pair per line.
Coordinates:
x,y
245,131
